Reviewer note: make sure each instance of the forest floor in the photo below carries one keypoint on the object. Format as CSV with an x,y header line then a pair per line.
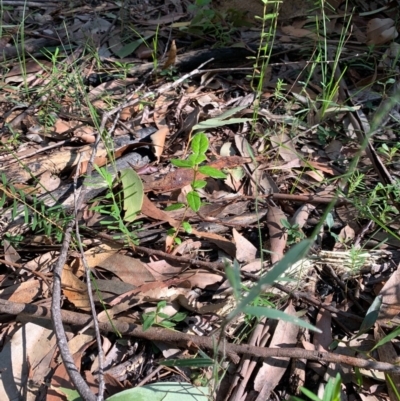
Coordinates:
x,y
197,203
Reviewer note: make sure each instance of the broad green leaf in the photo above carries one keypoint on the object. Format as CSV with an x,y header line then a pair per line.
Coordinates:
x,y
133,193
295,254
171,231
329,220
148,322
178,317
71,395
183,163
196,158
163,315
198,184
387,338
193,200
187,227
163,392
372,315
167,324
270,313
211,172
199,143
214,123
310,394
175,206
192,362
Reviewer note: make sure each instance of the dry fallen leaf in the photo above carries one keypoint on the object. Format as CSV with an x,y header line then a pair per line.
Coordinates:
x,y
291,31
25,292
171,56
158,141
27,348
272,370
390,299
277,233
388,353
380,31
74,289
245,250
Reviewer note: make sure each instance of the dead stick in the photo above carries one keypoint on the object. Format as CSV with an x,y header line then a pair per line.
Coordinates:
x,y
187,340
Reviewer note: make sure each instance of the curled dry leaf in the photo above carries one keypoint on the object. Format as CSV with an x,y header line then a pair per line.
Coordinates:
x,y
171,56
160,110
158,141
302,214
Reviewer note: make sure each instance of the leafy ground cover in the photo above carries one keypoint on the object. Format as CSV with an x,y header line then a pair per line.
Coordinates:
x,y
199,203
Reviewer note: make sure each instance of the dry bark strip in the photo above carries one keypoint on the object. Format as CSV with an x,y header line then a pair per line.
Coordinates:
x,y
187,340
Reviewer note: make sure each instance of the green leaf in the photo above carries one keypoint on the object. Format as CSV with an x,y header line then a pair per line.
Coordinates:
x,y
148,321
167,324
286,224
178,240
183,163
329,221
193,362
178,317
171,231
167,391
175,206
196,158
3,200
260,311
211,172
295,254
133,193
187,227
387,338
214,123
310,394
198,184
72,395
163,315
199,143
372,315
194,201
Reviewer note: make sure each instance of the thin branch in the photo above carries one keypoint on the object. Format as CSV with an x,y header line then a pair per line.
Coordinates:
x,y
62,342
186,340
88,273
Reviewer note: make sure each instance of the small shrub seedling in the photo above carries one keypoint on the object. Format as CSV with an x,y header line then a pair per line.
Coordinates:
x,y
198,146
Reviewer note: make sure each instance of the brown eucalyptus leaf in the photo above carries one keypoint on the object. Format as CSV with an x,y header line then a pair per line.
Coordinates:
x,y
277,233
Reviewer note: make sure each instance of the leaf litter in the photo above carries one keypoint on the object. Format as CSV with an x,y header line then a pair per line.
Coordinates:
x,y
175,245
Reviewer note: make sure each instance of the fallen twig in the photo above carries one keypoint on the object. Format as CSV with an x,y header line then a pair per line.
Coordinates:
x,y
187,340
62,342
